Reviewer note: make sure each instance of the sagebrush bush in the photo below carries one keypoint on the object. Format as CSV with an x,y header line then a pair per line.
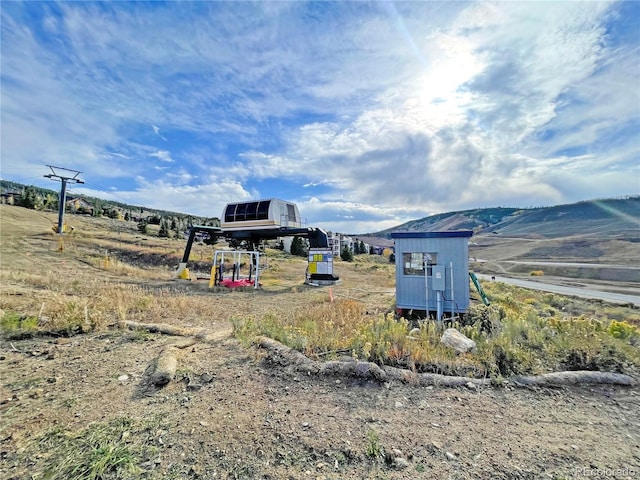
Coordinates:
x,y
520,333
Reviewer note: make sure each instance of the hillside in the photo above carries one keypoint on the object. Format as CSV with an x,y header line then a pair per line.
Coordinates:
x,y
44,199
619,218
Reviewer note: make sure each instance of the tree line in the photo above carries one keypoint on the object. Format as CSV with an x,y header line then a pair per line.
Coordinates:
x,y
171,224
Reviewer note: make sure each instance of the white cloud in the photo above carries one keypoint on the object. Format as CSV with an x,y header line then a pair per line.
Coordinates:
x,y
162,155
388,109
156,130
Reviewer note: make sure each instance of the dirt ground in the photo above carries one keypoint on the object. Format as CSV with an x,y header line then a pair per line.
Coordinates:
x,y
231,413
248,419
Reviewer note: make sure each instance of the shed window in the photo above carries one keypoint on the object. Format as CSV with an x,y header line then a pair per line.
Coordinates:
x,y
413,263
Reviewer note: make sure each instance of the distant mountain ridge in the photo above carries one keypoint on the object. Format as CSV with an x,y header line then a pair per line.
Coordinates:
x,y
619,217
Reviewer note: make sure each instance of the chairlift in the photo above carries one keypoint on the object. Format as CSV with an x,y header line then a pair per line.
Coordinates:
x,y
235,269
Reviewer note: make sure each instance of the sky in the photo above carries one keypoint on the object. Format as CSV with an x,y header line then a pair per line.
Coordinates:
x,y
365,114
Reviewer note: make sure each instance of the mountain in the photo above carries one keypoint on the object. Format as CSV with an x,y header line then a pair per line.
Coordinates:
x,y
619,217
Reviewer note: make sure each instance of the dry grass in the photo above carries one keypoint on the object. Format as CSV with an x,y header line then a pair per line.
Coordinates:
x,y
95,278
521,333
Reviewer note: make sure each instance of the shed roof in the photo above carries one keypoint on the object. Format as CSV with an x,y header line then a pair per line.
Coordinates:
x,y
447,234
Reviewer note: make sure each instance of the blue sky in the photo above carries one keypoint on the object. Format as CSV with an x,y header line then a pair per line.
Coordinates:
x,y
366,115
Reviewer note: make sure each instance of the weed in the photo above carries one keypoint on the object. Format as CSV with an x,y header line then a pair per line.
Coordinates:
x,y
373,448
140,335
13,323
111,450
623,330
25,384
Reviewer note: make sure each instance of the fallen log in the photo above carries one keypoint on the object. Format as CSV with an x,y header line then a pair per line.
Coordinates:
x,y
425,379
163,328
165,366
353,369
201,334
578,377
287,356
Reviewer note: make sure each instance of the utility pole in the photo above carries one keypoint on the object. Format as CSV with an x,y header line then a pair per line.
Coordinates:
x,y
58,173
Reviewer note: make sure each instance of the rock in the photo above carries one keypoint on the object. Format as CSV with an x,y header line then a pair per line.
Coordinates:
x,y
196,470
194,386
401,463
396,452
399,404
436,445
123,378
206,378
471,385
450,456
460,343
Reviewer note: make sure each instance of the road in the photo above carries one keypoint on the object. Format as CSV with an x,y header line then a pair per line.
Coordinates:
x,y
566,290
574,264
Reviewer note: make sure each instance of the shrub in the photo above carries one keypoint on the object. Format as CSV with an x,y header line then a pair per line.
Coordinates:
x,y
14,324
623,330
346,255
521,332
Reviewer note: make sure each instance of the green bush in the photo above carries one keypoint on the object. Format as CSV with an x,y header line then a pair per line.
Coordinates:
x,y
346,255
13,323
622,330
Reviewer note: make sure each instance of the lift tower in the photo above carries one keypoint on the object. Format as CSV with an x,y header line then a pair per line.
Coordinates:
x,y
58,173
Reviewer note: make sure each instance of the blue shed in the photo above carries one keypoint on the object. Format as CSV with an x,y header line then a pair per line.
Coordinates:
x,y
432,272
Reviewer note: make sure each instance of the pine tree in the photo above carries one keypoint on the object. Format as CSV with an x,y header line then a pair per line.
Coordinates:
x,y
29,198
346,255
164,231
297,248
97,208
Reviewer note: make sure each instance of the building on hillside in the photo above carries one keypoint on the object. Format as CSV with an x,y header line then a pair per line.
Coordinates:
x,y
346,242
79,205
334,243
10,198
432,273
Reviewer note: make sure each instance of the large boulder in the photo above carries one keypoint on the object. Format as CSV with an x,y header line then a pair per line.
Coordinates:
x,y
460,343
